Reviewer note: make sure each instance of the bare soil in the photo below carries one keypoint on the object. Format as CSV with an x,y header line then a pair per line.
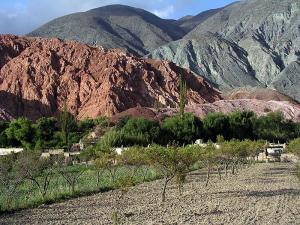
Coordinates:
x,y
266,193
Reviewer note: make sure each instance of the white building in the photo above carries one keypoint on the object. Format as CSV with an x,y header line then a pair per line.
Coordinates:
x,y
8,151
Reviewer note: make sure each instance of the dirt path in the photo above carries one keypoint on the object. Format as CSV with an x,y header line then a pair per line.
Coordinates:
x,y
261,194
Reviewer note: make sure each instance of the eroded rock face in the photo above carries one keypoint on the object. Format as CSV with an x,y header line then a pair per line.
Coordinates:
x,y
220,61
39,75
266,32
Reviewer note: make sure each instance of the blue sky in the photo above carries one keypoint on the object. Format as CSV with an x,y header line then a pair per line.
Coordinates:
x,y
22,16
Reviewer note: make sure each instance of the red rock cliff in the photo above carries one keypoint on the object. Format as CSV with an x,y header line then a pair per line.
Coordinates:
x,y
39,75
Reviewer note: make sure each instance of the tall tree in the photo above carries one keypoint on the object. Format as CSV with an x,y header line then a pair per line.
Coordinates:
x,y
182,95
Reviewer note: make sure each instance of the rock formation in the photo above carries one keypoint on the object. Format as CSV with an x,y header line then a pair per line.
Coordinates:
x,y
39,75
266,33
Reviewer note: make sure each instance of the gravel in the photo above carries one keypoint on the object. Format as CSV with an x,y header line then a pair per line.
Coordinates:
x,y
266,193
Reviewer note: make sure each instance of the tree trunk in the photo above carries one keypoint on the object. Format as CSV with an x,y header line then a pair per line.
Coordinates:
x,y
163,196
208,176
219,172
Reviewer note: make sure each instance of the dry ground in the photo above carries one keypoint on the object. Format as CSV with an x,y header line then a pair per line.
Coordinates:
x,y
267,193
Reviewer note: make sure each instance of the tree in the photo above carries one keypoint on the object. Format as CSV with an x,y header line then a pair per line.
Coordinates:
x,y
182,95
35,169
70,174
294,147
67,123
215,124
21,133
242,125
140,131
135,157
9,179
173,162
183,130
3,137
44,131
109,161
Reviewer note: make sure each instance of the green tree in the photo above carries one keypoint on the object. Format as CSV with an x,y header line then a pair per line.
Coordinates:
x,y
215,124
274,127
242,125
3,137
21,133
294,146
173,162
67,124
182,95
44,131
183,130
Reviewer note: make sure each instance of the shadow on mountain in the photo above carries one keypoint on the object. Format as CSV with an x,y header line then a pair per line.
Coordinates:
x,y
17,106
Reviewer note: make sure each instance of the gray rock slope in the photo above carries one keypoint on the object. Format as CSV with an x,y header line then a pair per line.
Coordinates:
x,y
188,23
288,81
266,31
115,26
220,61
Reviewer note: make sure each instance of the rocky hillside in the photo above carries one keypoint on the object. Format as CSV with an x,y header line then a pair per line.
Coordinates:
x,y
259,94
188,23
115,26
266,34
39,75
260,107
222,62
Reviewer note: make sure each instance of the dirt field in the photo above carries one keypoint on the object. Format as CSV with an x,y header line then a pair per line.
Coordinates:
x,y
261,194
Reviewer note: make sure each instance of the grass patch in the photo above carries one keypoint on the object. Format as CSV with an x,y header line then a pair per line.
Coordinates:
x,y
27,195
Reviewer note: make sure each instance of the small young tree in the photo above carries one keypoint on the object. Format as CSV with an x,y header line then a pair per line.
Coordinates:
x,y
165,160
109,161
9,180
187,157
70,173
123,184
38,170
135,158
209,156
173,162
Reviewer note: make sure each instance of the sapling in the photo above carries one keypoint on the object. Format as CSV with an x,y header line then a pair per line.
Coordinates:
x,y
35,169
71,174
122,184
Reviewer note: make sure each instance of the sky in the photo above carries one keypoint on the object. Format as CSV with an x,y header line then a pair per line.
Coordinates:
x,y
23,16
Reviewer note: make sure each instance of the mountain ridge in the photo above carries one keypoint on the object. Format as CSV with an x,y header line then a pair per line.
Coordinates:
x,y
115,26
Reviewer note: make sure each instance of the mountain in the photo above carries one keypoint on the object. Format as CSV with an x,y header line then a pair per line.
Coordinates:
x,y
220,61
266,31
288,81
115,26
38,76
188,23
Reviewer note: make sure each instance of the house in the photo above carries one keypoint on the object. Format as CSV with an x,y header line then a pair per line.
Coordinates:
x,y
8,151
